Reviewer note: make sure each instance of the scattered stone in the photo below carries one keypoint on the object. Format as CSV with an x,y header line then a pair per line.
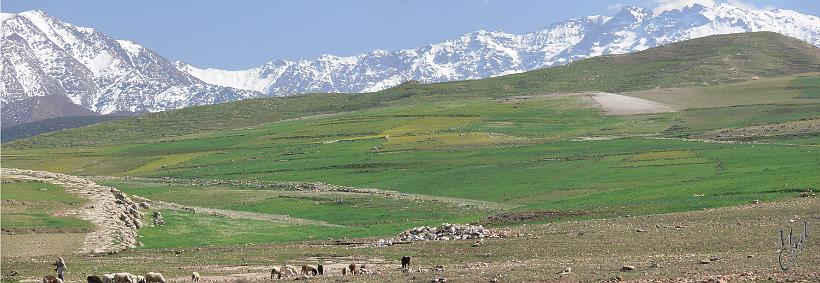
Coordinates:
x,y
145,205
302,277
566,271
757,201
157,220
438,268
446,232
639,230
627,268
655,265
705,261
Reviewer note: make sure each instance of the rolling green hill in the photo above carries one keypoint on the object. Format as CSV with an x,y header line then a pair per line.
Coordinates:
x,y
19,131
675,139
699,62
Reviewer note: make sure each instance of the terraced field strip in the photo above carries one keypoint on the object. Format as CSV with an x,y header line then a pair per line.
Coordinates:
x,y
321,187
111,233
486,205
241,214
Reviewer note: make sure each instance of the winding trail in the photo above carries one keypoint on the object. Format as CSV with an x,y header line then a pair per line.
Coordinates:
x,y
113,214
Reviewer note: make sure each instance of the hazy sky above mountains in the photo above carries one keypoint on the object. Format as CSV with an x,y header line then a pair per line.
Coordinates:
x,y
243,34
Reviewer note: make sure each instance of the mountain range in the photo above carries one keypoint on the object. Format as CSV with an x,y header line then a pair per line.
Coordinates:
x,y
45,56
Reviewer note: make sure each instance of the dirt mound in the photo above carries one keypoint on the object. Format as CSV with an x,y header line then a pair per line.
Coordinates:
x,y
114,214
616,104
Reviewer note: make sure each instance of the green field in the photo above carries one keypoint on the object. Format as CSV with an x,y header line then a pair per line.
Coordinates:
x,y
30,206
508,142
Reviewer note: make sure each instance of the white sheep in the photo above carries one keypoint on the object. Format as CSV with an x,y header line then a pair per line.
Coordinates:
x,y
154,277
195,276
124,277
288,271
108,278
140,279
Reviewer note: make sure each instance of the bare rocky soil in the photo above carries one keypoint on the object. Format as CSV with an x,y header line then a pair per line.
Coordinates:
x,y
114,214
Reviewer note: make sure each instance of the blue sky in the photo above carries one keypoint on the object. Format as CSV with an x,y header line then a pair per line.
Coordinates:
x,y
247,33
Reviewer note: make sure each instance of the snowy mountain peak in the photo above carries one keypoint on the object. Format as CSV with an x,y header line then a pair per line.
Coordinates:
x,y
482,54
634,12
4,16
45,56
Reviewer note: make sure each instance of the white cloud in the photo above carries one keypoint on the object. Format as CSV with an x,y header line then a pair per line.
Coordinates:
x,y
615,7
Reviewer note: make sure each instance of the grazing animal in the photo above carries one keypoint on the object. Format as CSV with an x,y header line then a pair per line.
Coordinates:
x,y
309,270
93,279
108,278
352,267
275,271
195,276
52,279
405,262
124,277
363,270
344,271
140,279
154,277
321,269
288,271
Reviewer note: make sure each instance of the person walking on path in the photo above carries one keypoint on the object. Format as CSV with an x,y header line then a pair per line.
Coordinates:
x,y
60,268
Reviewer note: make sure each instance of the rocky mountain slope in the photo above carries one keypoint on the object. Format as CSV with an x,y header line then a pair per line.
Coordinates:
x,y
484,54
45,56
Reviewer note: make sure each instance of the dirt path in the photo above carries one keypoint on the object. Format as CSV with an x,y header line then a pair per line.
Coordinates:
x,y
115,216
241,214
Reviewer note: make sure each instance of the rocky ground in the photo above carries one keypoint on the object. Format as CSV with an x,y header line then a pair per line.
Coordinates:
x,y
114,214
715,245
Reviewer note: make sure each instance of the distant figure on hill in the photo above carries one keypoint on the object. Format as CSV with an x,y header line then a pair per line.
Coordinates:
x,y
60,267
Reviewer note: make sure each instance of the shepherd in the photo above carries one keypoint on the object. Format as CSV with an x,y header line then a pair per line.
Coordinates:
x,y
60,267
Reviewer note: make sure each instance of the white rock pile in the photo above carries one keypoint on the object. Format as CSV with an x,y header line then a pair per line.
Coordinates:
x,y
445,232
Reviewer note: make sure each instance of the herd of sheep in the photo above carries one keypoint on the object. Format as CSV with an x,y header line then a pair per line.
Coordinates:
x,y
285,271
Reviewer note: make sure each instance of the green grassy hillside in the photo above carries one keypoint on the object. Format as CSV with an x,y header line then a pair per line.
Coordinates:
x,y
510,143
29,129
699,62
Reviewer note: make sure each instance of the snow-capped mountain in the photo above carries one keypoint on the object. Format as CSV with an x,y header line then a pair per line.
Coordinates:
x,y
485,54
45,56
474,55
